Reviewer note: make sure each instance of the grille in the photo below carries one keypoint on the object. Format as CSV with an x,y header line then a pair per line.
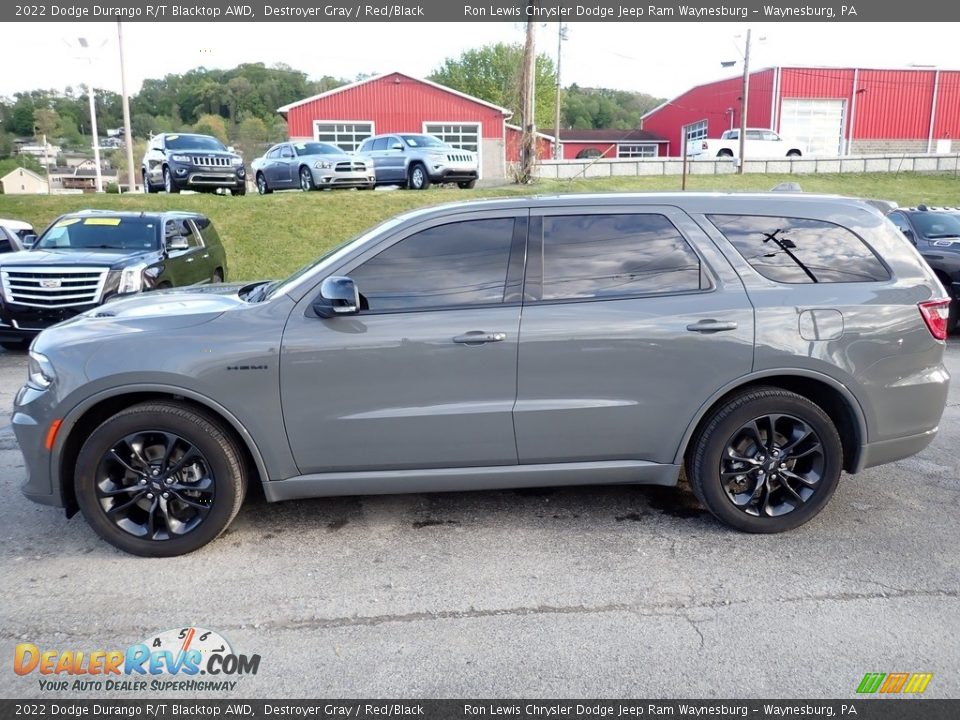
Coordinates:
x,y
210,161
459,157
45,287
352,166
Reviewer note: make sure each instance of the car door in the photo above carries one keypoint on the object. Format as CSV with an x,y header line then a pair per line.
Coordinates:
x,y
393,159
424,376
377,152
184,266
632,319
287,170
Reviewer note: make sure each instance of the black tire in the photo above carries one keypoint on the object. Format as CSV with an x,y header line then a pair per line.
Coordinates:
x,y
169,184
793,154
217,276
239,190
306,179
262,186
15,345
467,184
725,153
147,187
782,503
418,179
112,473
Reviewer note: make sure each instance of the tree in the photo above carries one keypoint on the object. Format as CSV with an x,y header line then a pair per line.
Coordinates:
x,y
251,137
45,123
212,125
492,73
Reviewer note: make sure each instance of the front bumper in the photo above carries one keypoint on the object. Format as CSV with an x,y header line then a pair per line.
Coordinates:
x,y
443,173
331,178
197,176
21,322
32,415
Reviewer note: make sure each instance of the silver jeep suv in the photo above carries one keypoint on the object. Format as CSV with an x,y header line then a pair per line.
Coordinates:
x,y
763,343
417,161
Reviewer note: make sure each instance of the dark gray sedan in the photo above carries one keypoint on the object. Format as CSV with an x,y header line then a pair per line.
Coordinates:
x,y
311,165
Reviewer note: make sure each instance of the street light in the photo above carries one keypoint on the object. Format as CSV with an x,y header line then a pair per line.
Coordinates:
x,y
86,53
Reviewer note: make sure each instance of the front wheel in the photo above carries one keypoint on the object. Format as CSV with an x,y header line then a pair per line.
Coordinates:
x,y
467,184
418,180
766,461
168,183
15,345
725,154
262,186
147,187
239,190
306,180
793,154
160,479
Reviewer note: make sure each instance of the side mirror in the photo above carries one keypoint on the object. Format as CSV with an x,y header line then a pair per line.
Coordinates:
x,y
28,241
908,234
177,242
397,146
338,296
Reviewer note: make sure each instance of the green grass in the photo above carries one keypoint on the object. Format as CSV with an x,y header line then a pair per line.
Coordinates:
x,y
269,237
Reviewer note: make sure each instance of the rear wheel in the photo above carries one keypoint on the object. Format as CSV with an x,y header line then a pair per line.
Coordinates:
x,y
793,154
418,179
766,461
217,276
306,179
725,153
160,479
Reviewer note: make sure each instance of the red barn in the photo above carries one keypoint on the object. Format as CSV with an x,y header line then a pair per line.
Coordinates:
x,y
395,102
834,111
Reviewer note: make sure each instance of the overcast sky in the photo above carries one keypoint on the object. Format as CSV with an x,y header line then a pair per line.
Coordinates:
x,y
663,59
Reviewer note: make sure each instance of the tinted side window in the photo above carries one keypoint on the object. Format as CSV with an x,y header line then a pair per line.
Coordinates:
x,y
461,263
797,250
380,144
274,153
899,220
595,256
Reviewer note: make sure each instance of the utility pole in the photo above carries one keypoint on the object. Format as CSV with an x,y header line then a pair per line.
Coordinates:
x,y
561,36
528,144
96,139
127,133
744,102
46,161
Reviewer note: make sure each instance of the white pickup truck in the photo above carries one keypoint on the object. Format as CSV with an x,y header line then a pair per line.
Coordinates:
x,y
760,144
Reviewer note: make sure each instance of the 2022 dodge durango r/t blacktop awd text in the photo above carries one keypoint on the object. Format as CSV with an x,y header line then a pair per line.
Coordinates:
x,y
764,343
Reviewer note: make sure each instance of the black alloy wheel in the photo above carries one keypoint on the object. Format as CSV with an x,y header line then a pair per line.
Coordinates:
x,y
160,479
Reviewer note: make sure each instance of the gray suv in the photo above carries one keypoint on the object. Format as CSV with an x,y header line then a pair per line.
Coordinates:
x,y
417,161
761,343
186,161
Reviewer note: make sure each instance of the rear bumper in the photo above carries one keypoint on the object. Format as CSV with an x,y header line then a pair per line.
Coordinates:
x,y
887,451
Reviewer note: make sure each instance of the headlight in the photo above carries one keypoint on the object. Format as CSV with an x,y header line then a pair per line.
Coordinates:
x,y
40,373
131,279
180,158
236,161
323,164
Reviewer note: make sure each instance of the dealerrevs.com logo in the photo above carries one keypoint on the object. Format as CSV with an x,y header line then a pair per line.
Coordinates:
x,y
169,661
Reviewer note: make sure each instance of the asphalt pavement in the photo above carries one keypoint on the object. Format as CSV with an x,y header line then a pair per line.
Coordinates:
x,y
577,592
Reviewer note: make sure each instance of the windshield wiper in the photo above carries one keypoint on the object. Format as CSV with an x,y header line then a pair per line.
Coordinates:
x,y
941,236
260,292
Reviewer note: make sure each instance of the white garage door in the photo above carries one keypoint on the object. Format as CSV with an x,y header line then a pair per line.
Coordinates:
x,y
465,136
819,124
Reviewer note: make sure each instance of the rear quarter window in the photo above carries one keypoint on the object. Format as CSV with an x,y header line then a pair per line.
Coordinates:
x,y
800,250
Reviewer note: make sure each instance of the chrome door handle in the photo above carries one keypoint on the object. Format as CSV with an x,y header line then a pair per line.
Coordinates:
x,y
478,337
711,326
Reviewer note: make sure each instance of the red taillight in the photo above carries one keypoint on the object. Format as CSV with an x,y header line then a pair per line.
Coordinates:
x,y
935,315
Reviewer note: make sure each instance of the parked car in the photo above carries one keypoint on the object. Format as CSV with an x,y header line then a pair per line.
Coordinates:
x,y
735,336
86,258
760,143
186,161
417,161
13,233
311,166
935,232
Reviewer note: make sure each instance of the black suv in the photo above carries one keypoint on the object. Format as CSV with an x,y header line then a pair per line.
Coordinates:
x,y
936,234
184,161
85,258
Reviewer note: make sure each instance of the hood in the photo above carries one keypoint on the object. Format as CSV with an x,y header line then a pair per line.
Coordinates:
x,y
105,257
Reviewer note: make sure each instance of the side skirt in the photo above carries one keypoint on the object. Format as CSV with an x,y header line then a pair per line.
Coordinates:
x,y
389,482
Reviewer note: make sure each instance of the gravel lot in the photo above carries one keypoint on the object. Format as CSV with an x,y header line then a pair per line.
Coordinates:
x,y
616,591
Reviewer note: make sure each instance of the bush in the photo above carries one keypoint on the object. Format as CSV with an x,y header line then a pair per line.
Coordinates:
x,y
112,189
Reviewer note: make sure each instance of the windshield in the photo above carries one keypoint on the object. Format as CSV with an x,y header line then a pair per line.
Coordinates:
x,y
423,141
937,225
193,142
90,233
317,148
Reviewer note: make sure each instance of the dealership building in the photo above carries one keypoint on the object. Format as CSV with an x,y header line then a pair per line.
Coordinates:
x,y
834,111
